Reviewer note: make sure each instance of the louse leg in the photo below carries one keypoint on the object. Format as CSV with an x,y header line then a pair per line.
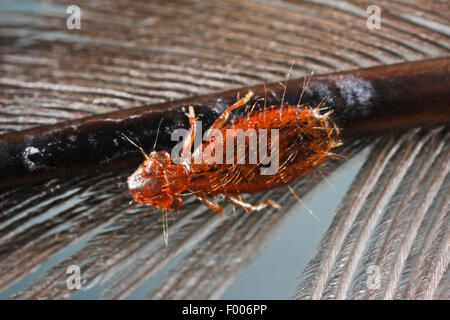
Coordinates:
x,y
238,201
220,121
210,204
189,140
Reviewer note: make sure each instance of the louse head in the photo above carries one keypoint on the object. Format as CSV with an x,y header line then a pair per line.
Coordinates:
x,y
157,182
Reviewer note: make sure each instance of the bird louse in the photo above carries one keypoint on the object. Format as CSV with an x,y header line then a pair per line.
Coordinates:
x,y
306,136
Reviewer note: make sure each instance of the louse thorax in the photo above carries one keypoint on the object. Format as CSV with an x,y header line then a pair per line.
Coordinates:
x,y
157,182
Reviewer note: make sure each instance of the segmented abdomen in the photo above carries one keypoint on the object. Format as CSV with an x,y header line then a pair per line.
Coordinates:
x,y
305,138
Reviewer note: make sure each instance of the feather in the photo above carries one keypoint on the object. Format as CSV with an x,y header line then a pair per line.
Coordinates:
x,y
387,220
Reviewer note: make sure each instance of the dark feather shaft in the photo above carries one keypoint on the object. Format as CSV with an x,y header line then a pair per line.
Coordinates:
x,y
366,100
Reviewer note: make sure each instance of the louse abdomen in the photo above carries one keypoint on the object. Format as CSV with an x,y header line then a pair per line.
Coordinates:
x,y
305,138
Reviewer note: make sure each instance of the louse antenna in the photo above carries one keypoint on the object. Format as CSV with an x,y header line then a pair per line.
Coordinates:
x,y
157,134
134,144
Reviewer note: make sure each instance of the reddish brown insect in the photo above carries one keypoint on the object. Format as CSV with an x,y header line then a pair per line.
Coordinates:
x,y
305,139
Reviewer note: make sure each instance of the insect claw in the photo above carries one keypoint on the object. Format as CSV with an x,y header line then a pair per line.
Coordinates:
x,y
273,204
248,95
328,113
331,154
191,113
